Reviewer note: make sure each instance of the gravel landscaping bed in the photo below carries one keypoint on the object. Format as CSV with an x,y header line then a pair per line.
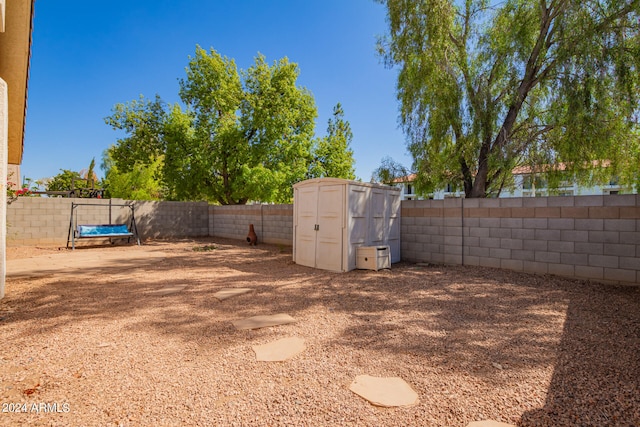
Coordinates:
x,y
105,346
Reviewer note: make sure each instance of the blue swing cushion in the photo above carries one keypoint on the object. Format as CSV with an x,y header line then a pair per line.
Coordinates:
x,y
105,230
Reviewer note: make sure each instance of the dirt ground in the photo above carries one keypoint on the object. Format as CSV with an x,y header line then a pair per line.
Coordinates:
x,y
142,341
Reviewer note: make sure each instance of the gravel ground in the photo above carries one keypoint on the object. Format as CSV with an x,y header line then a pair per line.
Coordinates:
x,y
102,348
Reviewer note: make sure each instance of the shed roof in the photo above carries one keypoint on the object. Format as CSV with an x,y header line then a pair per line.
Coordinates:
x,y
316,181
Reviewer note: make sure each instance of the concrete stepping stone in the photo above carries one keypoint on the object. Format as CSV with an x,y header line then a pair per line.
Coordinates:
x,y
225,293
167,290
280,350
386,392
257,322
489,423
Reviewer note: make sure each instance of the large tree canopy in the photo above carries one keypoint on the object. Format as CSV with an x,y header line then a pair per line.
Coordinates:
x,y
244,135
485,86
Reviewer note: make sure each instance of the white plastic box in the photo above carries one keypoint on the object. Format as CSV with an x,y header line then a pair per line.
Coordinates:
x,y
373,257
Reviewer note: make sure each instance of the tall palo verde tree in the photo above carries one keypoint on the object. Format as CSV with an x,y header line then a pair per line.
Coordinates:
x,y
485,86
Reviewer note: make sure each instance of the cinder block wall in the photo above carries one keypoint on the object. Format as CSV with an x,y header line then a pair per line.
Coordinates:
x,y
233,221
277,224
162,220
272,223
45,221
589,237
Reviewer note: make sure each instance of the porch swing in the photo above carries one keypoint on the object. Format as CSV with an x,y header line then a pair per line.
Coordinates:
x,y
104,231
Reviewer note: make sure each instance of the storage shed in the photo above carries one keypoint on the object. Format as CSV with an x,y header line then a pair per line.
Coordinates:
x,y
333,217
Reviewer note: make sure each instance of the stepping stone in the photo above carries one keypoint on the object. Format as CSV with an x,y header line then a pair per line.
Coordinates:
x,y
280,350
257,322
386,392
168,290
230,292
105,344
489,423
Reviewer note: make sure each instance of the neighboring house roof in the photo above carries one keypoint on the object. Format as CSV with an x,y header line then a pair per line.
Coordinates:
x,y
408,178
519,170
525,170
15,53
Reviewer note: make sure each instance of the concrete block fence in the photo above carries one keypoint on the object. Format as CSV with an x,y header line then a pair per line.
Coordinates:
x,y
272,223
162,220
587,237
45,221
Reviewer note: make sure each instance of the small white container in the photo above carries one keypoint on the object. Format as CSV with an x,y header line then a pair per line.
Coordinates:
x,y
373,257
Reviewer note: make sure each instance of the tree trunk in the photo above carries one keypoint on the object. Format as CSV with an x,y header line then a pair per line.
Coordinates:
x,y
479,189
529,80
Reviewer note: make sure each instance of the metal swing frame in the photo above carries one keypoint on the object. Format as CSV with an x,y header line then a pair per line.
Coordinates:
x,y
103,229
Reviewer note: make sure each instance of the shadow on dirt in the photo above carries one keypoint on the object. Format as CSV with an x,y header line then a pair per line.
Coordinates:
x,y
486,326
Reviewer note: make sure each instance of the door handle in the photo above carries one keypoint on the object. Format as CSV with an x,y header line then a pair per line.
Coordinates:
x,y
316,227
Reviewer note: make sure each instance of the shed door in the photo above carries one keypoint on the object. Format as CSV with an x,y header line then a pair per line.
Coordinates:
x,y
307,212
330,227
319,227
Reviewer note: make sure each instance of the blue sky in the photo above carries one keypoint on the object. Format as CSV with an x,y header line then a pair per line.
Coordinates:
x,y
87,56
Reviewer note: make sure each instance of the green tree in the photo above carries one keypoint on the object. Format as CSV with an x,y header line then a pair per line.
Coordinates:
x,y
138,184
65,181
143,121
390,172
244,135
332,154
90,175
486,86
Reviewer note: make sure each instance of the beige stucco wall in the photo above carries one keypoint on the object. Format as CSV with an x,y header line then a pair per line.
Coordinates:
x,y
4,124
13,176
2,14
